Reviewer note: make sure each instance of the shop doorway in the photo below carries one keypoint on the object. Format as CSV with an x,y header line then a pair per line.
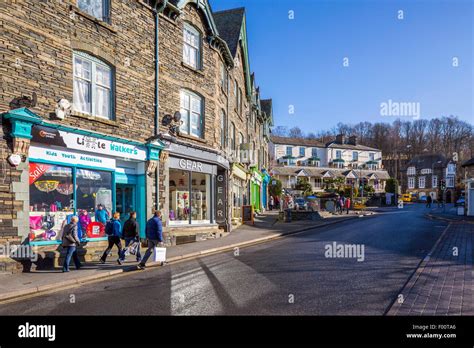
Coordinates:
x,y
125,201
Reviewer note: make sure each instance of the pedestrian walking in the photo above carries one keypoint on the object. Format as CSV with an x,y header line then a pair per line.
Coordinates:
x,y
131,234
338,205
271,203
113,229
347,204
154,236
70,242
101,214
429,200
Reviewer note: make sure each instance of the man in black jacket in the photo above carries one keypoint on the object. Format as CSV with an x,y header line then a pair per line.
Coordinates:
x,y
131,234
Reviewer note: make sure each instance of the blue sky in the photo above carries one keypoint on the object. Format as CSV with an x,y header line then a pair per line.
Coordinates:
x,y
300,62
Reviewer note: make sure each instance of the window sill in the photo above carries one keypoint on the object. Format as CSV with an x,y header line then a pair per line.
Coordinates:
x,y
103,24
190,137
94,118
193,69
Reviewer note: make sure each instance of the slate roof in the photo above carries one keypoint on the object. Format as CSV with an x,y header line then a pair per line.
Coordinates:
x,y
320,171
468,163
296,141
229,23
333,144
427,161
266,106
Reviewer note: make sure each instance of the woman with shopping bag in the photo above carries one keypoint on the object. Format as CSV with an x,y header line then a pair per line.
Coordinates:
x,y
154,236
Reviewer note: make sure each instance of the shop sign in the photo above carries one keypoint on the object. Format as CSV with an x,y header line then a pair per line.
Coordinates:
x,y
37,170
221,183
67,157
192,166
51,136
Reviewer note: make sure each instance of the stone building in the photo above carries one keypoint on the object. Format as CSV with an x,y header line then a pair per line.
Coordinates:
x,y
76,100
424,176
205,75
468,181
131,105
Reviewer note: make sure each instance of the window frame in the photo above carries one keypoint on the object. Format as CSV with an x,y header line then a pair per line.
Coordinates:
x,y
290,152
94,62
304,151
106,11
434,181
192,95
422,182
411,182
195,31
338,154
223,128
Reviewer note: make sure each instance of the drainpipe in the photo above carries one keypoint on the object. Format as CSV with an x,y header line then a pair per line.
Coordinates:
x,y
158,8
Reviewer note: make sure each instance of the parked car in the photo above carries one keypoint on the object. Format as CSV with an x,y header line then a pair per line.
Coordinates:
x,y
301,204
423,199
460,202
406,197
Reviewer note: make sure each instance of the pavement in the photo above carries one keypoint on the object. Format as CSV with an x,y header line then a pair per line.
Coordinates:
x,y
266,228
448,213
443,284
284,276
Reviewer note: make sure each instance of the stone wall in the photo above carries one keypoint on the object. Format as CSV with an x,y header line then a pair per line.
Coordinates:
x,y
36,55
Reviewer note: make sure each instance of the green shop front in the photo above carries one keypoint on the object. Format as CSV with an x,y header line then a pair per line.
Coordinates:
x,y
83,173
256,180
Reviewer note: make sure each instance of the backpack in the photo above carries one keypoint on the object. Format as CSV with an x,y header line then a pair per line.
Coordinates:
x,y
109,228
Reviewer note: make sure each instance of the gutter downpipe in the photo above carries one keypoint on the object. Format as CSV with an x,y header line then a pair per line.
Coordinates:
x,y
157,10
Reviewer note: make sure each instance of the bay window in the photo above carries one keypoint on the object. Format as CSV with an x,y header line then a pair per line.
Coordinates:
x,y
92,90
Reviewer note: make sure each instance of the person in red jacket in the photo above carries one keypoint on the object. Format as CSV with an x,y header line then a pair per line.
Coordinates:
x,y
347,204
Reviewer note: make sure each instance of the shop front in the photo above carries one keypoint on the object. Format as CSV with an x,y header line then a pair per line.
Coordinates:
x,y
265,181
71,171
85,175
239,196
196,191
256,180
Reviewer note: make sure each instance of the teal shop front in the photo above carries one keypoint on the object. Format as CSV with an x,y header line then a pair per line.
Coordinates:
x,y
78,172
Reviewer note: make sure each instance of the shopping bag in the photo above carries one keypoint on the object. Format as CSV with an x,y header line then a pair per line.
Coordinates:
x,y
159,255
132,249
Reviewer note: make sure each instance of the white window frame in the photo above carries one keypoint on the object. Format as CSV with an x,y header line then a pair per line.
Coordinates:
x,y
355,156
450,181
411,171
411,182
187,112
290,152
193,45
371,156
304,151
338,154
94,85
105,17
422,182
318,182
223,123
434,181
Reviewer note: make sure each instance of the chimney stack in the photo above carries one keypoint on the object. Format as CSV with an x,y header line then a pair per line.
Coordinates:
x,y
340,138
352,140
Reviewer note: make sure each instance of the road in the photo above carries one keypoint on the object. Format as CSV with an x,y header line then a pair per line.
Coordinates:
x,y
289,276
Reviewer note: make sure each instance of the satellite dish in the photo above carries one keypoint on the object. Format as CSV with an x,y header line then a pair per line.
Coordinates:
x,y
167,120
177,116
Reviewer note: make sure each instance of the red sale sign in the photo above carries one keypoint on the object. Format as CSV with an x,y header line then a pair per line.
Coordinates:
x,y
95,230
37,170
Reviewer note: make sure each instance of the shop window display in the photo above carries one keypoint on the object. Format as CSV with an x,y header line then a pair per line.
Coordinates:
x,y
51,200
189,201
94,188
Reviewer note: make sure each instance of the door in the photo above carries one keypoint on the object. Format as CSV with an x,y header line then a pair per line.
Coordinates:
x,y
125,200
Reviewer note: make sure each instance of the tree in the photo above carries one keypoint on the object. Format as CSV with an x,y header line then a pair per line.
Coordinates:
x,y
280,131
275,187
391,186
295,132
304,185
